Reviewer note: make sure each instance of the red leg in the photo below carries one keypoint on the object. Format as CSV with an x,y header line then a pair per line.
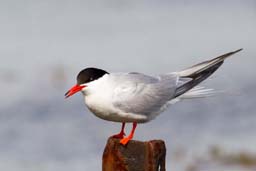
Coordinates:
x,y
125,140
121,134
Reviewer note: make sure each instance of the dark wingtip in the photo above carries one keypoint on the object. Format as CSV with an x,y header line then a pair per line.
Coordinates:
x,y
238,50
223,57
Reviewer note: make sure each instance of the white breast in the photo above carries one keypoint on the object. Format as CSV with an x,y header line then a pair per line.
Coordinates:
x,y
99,97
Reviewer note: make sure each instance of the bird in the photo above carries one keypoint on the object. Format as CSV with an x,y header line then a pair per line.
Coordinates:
x,y
136,98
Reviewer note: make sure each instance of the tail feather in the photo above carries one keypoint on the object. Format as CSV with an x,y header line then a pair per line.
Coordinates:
x,y
199,73
198,92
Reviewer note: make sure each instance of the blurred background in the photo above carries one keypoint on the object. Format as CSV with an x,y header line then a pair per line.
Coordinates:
x,y
44,44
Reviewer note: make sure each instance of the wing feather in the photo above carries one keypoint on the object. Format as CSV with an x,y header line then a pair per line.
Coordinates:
x,y
142,94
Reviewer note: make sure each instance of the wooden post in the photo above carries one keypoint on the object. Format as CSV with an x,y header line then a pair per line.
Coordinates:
x,y
135,156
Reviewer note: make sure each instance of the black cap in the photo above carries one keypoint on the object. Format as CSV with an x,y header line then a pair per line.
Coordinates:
x,y
89,74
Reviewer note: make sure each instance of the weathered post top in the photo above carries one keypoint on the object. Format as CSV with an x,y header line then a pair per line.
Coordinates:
x,y
135,156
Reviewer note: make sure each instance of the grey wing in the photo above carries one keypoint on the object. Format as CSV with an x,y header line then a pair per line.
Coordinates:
x,y
141,94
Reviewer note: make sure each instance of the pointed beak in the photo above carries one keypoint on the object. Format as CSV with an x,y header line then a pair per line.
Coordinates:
x,y
74,90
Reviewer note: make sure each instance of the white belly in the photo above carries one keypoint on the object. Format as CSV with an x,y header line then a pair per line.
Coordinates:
x,y
105,110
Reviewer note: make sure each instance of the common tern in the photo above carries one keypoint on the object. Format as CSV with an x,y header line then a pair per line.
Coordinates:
x,y
138,98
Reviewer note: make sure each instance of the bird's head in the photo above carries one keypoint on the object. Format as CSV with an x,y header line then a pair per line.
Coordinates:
x,y
85,77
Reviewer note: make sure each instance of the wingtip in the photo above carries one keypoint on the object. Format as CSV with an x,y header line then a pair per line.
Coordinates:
x,y
229,54
238,50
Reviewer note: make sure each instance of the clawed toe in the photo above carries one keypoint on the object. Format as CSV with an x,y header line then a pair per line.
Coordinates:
x,y
125,140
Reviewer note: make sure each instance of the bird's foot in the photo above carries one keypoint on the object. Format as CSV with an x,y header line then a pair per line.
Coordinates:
x,y
125,140
119,136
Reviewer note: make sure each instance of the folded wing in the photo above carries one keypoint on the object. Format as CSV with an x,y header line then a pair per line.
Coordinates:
x,y
138,95
200,72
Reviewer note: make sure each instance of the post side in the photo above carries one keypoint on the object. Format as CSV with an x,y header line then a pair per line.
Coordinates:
x,y
135,156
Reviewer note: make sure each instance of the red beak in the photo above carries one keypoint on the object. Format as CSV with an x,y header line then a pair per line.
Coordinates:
x,y
74,90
